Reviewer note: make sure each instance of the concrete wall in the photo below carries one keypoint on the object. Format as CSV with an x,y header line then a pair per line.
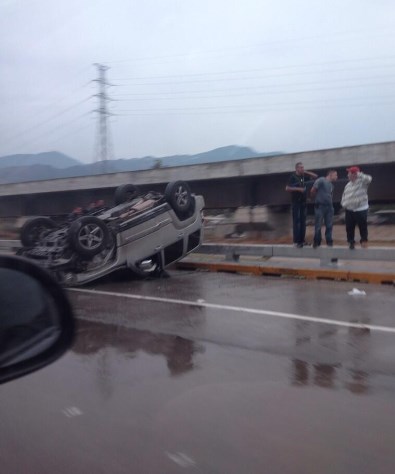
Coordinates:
x,y
258,181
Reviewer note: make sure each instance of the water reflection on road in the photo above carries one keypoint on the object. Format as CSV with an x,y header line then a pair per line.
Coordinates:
x,y
101,339
158,387
326,357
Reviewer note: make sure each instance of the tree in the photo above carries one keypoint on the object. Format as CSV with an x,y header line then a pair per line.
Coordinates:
x,y
158,164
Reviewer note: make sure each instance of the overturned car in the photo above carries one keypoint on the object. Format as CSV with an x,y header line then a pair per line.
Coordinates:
x,y
143,232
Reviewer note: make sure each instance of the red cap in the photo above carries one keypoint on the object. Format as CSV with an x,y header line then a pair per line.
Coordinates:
x,y
353,169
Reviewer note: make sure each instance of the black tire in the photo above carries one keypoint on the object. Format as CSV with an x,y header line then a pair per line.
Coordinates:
x,y
125,193
88,236
34,229
178,195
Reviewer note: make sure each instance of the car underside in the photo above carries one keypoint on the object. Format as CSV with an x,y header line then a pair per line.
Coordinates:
x,y
142,232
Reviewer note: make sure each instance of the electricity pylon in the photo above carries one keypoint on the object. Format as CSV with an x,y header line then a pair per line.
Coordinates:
x,y
103,129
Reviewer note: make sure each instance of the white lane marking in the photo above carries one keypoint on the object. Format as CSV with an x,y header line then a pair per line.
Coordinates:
x,y
71,412
181,459
264,312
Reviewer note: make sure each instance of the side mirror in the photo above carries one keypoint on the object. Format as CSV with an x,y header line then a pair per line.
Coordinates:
x,y
36,319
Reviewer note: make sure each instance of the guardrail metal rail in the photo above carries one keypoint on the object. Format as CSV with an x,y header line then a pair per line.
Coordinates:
x,y
227,258
328,256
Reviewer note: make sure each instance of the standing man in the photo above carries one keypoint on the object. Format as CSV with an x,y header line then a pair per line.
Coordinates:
x,y
355,202
297,187
322,191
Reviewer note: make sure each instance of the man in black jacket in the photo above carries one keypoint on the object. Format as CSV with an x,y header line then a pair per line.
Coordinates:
x,y
297,186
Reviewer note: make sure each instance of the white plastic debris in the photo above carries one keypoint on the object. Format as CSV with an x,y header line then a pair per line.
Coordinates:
x,y
356,292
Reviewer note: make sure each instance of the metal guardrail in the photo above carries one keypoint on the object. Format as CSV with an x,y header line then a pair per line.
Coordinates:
x,y
233,252
326,255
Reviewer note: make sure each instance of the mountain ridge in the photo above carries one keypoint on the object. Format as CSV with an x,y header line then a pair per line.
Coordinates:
x,y
44,158
53,165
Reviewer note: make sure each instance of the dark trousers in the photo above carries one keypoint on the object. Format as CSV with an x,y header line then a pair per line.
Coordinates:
x,y
299,222
353,219
323,213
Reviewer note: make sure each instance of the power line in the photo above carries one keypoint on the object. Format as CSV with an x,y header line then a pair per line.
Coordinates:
x,y
247,91
276,68
37,125
36,138
56,101
223,51
257,108
256,77
71,133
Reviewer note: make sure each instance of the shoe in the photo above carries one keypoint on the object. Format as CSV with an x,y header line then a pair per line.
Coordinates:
x,y
364,245
315,245
330,244
299,246
351,246
306,244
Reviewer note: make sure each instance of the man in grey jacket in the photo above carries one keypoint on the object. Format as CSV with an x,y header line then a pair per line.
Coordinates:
x,y
322,191
355,202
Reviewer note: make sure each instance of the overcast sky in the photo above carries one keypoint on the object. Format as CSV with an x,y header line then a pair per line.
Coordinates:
x,y
192,75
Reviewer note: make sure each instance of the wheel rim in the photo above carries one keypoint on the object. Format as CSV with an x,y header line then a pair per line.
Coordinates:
x,y
90,236
181,196
38,233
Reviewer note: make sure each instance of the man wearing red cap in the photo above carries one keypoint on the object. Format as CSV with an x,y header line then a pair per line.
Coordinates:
x,y
355,202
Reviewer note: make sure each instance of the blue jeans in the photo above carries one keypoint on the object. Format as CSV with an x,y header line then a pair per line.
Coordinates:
x,y
323,213
299,222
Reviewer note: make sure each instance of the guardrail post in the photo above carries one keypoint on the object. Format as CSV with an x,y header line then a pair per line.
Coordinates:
x,y
232,256
328,262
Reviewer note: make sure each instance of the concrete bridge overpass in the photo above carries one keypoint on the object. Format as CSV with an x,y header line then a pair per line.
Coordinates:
x,y
250,182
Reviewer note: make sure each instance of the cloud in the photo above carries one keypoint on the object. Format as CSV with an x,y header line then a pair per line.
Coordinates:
x,y
189,76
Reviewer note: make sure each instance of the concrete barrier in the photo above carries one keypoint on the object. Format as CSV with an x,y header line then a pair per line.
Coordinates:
x,y
374,265
326,255
233,252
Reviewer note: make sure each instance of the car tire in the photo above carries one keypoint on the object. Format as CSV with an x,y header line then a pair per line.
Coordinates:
x,y
178,195
88,236
34,228
125,193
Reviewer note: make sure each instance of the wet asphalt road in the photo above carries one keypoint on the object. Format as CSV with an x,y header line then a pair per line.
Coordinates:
x,y
212,373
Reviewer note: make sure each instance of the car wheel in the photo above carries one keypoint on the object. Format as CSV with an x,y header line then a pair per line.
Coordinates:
x,y
125,193
178,195
34,228
88,236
